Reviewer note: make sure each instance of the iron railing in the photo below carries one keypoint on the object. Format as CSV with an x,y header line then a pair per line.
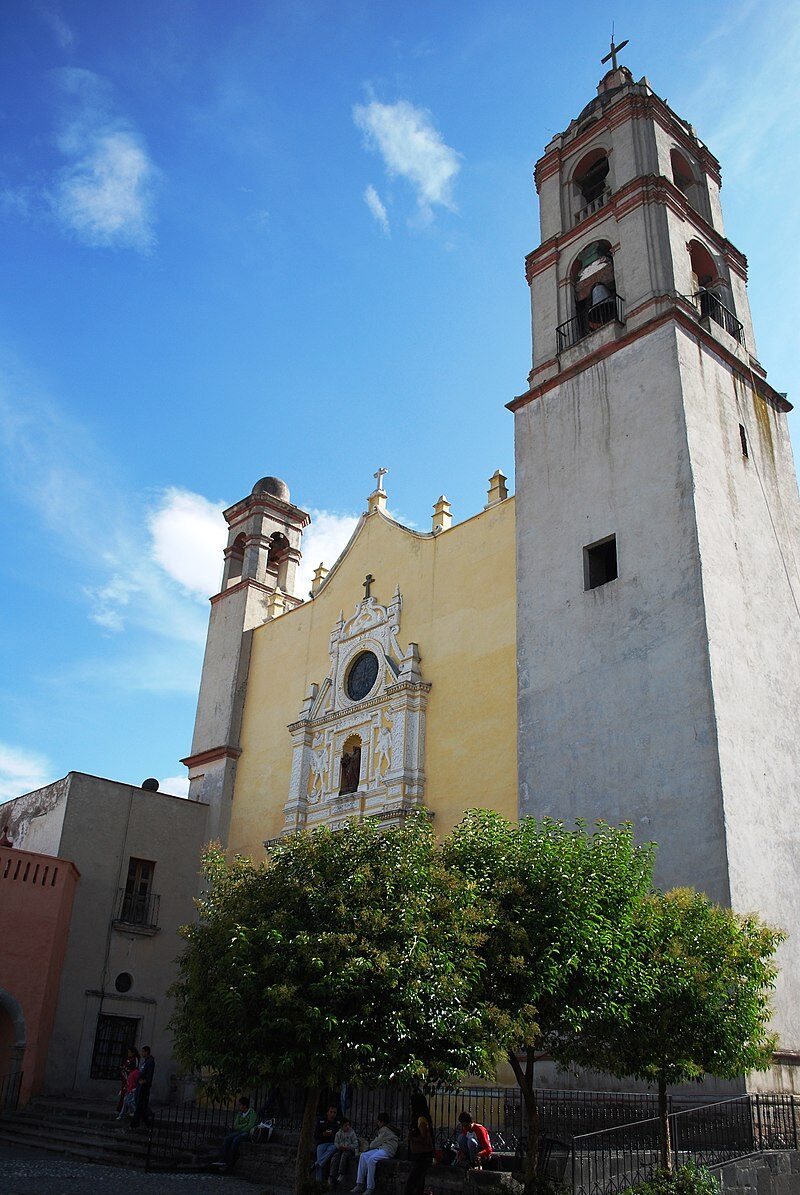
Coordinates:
x,y
182,1130
135,909
608,1161
605,312
10,1087
711,307
593,206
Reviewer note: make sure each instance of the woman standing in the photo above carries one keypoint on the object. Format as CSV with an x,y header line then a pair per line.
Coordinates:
x,y
131,1063
420,1151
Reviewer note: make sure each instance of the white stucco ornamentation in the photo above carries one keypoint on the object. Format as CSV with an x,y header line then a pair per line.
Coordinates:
x,y
383,715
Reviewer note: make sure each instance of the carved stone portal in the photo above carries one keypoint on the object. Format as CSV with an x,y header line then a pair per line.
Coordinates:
x,y
359,743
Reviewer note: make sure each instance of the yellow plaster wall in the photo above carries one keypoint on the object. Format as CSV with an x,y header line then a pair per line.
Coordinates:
x,y
459,605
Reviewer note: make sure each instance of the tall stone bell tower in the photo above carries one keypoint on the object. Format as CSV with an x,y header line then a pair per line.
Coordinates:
x,y
658,524
258,580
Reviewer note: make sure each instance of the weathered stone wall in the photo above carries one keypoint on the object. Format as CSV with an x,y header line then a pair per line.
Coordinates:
x,y
763,1174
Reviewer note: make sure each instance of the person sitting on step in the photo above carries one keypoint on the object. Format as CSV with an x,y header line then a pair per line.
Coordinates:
x,y
383,1145
243,1124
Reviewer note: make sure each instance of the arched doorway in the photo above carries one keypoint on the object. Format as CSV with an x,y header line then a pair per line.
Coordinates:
x,y
13,1038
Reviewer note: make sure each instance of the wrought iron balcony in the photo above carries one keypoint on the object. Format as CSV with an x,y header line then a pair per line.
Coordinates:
x,y
710,307
593,206
135,909
607,311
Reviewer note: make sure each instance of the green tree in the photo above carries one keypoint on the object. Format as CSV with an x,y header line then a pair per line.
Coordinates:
x,y
558,907
696,1001
344,956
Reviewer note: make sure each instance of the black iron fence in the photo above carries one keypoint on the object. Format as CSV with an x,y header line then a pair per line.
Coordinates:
x,y
182,1130
573,330
10,1087
711,307
612,1159
136,909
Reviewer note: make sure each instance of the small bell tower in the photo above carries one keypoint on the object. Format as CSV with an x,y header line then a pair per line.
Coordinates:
x,y
258,582
658,522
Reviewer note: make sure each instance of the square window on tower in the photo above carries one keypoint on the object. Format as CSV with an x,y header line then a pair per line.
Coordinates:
x,y
600,562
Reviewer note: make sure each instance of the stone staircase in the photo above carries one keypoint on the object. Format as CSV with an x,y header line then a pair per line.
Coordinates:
x,y
90,1131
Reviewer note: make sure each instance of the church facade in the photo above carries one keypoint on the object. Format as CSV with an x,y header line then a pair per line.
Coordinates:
x,y
636,604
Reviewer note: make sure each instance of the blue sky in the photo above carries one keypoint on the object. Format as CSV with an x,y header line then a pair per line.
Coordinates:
x,y
288,238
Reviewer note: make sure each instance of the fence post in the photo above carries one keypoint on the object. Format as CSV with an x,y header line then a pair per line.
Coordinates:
x,y
759,1129
673,1124
794,1121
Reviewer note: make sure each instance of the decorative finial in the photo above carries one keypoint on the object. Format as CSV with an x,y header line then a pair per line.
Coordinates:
x,y
612,55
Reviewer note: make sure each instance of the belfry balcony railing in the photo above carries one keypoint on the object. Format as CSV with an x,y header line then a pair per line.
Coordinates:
x,y
593,206
136,909
710,307
607,311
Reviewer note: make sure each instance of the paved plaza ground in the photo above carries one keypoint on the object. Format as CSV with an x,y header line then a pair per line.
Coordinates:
x,y
31,1172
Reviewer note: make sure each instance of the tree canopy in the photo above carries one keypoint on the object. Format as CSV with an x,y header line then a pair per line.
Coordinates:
x,y
343,956
695,1002
559,906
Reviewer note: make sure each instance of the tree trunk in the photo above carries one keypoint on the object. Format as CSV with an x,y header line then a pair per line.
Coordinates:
x,y
525,1081
663,1118
302,1170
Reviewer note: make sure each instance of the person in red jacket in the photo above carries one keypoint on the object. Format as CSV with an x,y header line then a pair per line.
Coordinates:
x,y
474,1146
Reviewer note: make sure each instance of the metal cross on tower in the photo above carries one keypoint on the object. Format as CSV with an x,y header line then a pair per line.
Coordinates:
x,y
368,583
379,476
612,56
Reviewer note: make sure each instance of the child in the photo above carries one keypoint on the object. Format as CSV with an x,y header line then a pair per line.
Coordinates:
x,y
346,1143
129,1103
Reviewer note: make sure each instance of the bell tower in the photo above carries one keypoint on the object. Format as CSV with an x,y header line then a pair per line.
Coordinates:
x,y
658,522
258,581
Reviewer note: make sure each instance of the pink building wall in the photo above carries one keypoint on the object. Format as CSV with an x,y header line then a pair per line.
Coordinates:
x,y
36,893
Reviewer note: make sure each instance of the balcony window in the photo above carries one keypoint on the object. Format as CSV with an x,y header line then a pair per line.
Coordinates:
x,y
137,903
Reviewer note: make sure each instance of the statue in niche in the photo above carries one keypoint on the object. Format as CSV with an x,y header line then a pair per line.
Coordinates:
x,y
383,753
351,770
318,769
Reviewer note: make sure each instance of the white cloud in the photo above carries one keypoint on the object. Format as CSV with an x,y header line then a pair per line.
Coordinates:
x,y
21,771
175,786
412,149
188,536
59,28
373,202
105,192
323,543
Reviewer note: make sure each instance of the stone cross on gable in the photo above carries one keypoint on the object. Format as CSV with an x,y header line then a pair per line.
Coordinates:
x,y
379,476
612,55
369,581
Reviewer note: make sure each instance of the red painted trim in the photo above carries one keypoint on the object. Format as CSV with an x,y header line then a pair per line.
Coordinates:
x,y
284,510
194,761
223,593
676,314
647,189
629,107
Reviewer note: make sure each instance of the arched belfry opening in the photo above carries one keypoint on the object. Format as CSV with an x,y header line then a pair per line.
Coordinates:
x,y
350,765
684,176
711,293
594,288
278,558
590,183
234,563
